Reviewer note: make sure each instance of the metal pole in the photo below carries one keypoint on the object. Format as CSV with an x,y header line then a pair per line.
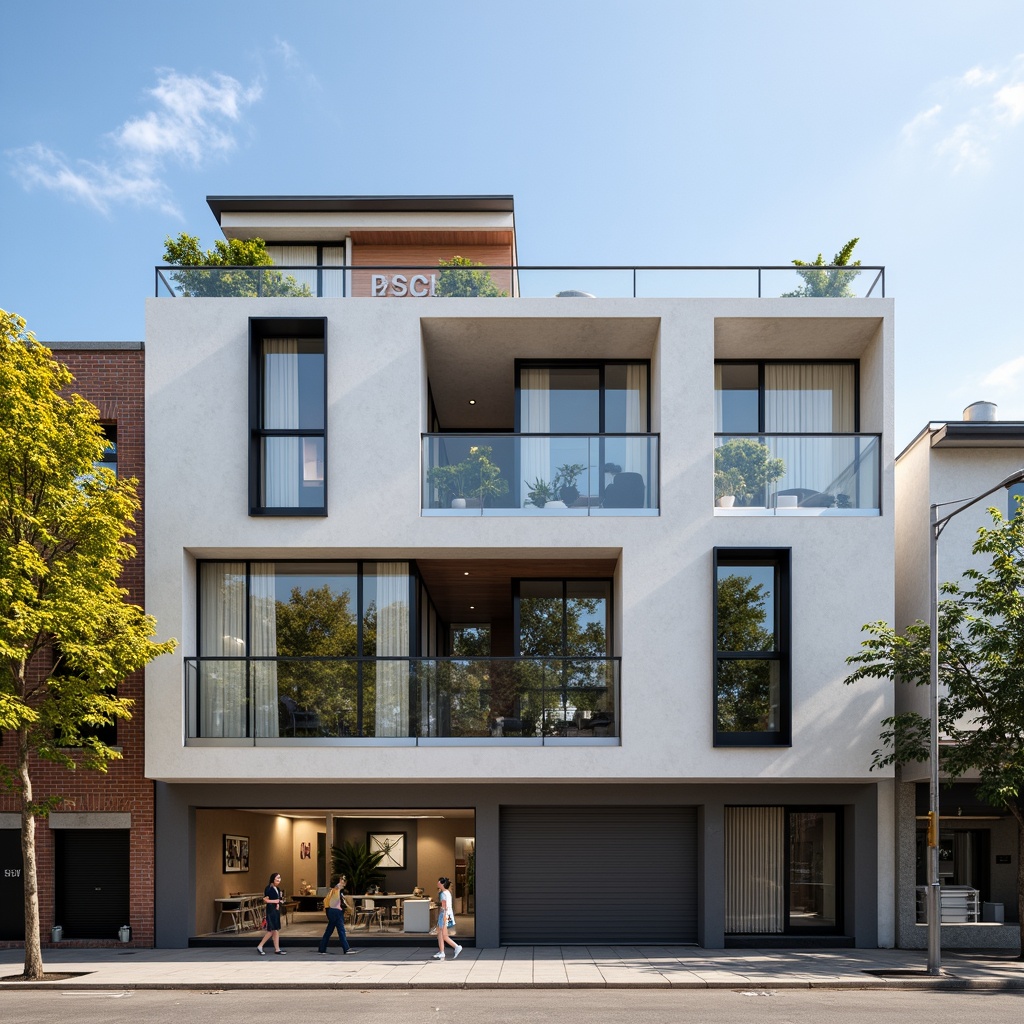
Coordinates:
x,y
934,903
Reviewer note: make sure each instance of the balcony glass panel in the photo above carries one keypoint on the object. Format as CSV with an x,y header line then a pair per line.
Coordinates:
x,y
540,474
340,698
811,472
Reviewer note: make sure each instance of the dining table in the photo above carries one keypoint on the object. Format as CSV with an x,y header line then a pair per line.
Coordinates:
x,y
242,909
388,901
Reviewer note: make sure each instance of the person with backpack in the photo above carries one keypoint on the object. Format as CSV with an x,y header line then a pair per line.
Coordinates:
x,y
334,907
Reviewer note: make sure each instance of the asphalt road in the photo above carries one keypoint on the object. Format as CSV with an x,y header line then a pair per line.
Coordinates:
x,y
521,1006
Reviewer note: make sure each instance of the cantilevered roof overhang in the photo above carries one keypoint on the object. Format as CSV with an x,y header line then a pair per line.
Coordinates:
x,y
978,434
362,204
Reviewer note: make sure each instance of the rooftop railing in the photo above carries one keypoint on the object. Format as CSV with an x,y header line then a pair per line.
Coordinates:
x,y
393,281
401,701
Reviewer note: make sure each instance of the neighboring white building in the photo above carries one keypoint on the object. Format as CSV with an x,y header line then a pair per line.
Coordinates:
x,y
520,697
947,462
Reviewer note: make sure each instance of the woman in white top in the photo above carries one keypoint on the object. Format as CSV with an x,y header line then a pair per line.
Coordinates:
x,y
445,920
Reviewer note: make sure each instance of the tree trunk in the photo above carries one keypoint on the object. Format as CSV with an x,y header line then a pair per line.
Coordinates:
x,y
33,946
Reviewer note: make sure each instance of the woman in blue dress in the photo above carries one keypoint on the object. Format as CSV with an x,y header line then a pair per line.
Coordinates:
x,y
273,898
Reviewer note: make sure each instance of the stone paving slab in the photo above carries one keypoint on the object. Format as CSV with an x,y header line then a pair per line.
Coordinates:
x,y
675,967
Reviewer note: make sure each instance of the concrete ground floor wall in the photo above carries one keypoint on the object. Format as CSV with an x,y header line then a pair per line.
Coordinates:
x,y
866,812
1000,873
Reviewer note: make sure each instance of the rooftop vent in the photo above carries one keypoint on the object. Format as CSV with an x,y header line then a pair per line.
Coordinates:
x,y
980,412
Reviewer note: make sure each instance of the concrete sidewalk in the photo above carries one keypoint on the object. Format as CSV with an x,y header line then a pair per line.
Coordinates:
x,y
683,967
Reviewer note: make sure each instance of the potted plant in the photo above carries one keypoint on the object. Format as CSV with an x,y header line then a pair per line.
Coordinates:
x,y
565,481
539,493
743,469
451,480
475,476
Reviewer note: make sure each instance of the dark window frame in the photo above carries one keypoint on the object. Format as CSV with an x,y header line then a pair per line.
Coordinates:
x,y
781,558
260,328
762,363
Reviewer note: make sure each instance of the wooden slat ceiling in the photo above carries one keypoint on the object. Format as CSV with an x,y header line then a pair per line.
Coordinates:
x,y
406,237
488,587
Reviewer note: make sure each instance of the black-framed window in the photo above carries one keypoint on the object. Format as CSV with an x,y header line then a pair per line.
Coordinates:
x,y
288,416
752,625
787,397
109,458
1013,492
563,618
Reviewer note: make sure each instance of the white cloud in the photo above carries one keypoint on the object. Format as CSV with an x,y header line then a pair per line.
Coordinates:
x,y
1006,377
979,112
193,120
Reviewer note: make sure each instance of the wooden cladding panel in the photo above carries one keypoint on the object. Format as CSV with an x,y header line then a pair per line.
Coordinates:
x,y
426,255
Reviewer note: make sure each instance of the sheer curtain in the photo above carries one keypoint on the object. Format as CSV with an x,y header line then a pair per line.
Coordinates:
x,y
393,641
810,398
222,703
754,870
263,643
535,418
281,412
296,255
636,460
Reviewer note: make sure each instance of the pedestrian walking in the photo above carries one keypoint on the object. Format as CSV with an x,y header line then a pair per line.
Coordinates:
x,y
273,898
334,905
445,920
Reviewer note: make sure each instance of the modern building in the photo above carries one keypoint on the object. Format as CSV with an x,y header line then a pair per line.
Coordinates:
x,y
978,848
94,853
450,573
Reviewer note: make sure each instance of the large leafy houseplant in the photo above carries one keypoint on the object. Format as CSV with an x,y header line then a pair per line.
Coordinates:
x,y
358,865
745,467
476,476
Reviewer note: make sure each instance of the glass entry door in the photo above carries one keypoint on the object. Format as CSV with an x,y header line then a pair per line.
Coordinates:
x,y
813,869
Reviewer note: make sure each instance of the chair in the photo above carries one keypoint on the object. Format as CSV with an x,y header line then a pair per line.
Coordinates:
x,y
625,491
236,915
368,913
298,720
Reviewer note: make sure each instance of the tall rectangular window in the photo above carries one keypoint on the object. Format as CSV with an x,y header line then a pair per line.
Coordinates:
x,y
288,416
752,665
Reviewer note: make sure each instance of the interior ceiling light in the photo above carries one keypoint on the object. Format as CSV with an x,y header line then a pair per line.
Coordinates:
x,y
472,607
466,573
472,401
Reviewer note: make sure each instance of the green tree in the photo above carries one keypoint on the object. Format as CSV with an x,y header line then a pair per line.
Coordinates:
x,y
743,692
745,467
221,270
68,635
827,283
456,280
981,678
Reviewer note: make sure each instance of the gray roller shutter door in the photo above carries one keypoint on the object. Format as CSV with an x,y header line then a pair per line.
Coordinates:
x,y
92,872
579,875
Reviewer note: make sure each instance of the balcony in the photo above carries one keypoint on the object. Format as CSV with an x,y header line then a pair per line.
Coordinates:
x,y
432,281
402,701
798,474
540,475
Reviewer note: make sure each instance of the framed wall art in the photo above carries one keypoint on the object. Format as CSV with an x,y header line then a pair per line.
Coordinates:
x,y
391,845
236,854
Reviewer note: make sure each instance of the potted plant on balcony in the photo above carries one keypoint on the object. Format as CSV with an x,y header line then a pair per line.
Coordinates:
x,y
451,481
539,493
744,468
565,479
476,476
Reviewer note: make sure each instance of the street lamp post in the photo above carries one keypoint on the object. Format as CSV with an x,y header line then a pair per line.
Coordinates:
x,y
936,526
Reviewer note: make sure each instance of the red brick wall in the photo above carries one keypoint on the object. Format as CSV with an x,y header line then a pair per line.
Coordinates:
x,y
113,380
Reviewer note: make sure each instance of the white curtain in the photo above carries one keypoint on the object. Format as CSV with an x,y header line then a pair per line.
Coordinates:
x,y
334,280
296,256
263,643
222,704
811,398
719,413
281,412
754,870
535,418
636,458
392,641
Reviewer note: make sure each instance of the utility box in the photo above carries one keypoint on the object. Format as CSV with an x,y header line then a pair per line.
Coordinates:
x,y
993,912
57,933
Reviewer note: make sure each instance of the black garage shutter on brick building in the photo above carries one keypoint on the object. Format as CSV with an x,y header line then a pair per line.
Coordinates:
x,y
579,875
92,877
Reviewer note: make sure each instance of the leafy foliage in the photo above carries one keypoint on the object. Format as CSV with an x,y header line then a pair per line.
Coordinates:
x,y
68,635
827,283
459,281
358,865
981,676
475,476
222,273
744,467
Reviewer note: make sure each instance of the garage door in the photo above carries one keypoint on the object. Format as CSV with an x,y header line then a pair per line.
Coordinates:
x,y
91,868
578,875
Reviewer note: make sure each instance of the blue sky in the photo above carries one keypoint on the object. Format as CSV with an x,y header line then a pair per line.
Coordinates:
x,y
642,131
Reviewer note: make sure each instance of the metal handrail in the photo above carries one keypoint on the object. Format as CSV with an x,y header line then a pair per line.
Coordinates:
x,y
517,268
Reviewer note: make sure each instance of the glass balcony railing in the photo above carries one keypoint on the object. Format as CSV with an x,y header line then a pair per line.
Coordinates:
x,y
403,700
809,474
432,281
540,474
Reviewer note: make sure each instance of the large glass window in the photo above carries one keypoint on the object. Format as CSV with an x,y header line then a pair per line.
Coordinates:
x,y
288,414
751,647
304,648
